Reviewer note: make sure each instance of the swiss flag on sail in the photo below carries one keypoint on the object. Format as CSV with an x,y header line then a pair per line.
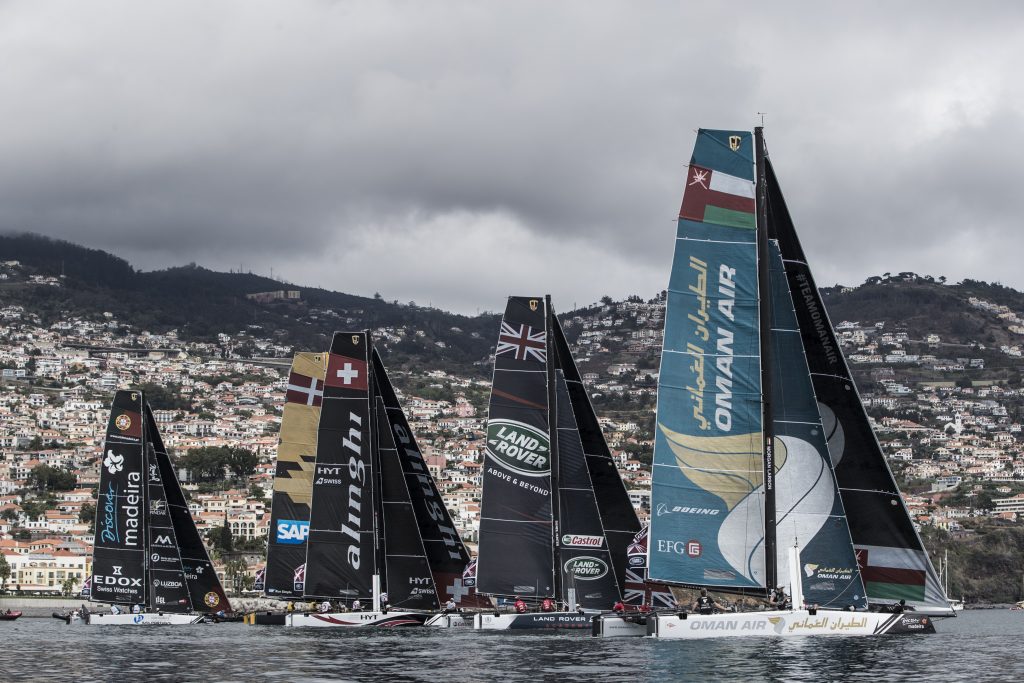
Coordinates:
x,y
345,372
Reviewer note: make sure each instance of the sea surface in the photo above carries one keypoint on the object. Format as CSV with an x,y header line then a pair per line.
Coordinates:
x,y
980,645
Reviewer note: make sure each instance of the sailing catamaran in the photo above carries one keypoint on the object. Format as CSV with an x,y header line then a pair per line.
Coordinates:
x,y
147,550
374,523
766,470
556,521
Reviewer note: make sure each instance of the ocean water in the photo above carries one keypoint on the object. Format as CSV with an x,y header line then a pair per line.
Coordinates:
x,y
980,645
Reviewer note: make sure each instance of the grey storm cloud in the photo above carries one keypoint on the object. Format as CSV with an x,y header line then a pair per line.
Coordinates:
x,y
456,152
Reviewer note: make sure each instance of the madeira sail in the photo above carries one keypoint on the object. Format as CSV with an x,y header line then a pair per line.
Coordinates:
x,y
148,552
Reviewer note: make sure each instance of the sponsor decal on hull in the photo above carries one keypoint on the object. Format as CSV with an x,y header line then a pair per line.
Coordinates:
x,y
518,447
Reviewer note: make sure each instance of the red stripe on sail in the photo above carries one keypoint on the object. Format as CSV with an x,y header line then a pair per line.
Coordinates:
x,y
697,196
906,577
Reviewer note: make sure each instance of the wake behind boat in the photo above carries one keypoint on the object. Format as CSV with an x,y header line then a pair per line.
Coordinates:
x,y
761,440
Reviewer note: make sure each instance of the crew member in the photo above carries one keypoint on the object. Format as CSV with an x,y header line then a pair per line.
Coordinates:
x,y
136,608
290,608
777,598
619,607
520,605
384,602
325,606
450,605
705,604
114,609
357,606
547,605
898,607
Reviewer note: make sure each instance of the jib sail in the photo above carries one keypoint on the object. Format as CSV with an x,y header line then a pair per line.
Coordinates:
x,y
446,554
293,480
205,592
891,557
809,510
618,518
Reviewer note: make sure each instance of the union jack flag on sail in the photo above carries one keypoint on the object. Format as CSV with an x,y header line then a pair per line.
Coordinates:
x,y
522,343
638,590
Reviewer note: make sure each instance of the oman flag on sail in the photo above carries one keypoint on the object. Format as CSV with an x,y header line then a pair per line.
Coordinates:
x,y
719,198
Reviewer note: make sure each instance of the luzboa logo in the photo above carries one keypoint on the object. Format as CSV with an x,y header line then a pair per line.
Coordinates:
x,y
586,568
519,447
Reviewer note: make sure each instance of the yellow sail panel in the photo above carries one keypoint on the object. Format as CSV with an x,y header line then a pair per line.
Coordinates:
x,y
726,466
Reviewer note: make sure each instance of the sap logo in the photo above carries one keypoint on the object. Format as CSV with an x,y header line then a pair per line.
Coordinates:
x,y
292,532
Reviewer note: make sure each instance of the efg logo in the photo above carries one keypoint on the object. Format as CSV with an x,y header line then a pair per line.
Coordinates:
x,y
292,531
586,568
519,447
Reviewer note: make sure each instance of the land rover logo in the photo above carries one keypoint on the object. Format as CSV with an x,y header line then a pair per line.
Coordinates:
x,y
519,447
586,568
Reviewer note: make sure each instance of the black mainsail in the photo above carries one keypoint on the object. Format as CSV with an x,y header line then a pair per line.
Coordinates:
x,y
119,551
342,549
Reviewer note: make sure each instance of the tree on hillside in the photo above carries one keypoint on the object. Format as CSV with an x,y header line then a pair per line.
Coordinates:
x,y
45,478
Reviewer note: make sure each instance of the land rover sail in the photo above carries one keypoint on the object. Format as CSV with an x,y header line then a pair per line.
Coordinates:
x,y
746,495
147,551
555,519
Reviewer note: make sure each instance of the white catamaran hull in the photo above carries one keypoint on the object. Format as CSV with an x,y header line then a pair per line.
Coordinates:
x,y
389,619
619,625
786,624
452,620
533,621
144,619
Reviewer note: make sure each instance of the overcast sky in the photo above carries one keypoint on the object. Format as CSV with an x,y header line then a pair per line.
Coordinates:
x,y
454,153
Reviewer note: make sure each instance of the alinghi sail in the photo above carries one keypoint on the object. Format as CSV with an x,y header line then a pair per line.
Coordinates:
x,y
377,522
542,534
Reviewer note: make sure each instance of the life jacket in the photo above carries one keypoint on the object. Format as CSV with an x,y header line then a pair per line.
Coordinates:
x,y
520,606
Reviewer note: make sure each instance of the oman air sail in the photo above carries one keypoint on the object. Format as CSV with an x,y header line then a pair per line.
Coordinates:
x,y
746,492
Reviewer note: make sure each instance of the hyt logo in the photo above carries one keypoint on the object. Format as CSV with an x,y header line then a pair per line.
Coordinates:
x,y
292,531
693,548
518,447
114,462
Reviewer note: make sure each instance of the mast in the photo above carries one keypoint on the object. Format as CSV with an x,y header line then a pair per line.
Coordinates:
x,y
380,585
764,317
553,437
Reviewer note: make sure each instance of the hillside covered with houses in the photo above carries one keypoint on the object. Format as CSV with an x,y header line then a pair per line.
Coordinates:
x,y
947,401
